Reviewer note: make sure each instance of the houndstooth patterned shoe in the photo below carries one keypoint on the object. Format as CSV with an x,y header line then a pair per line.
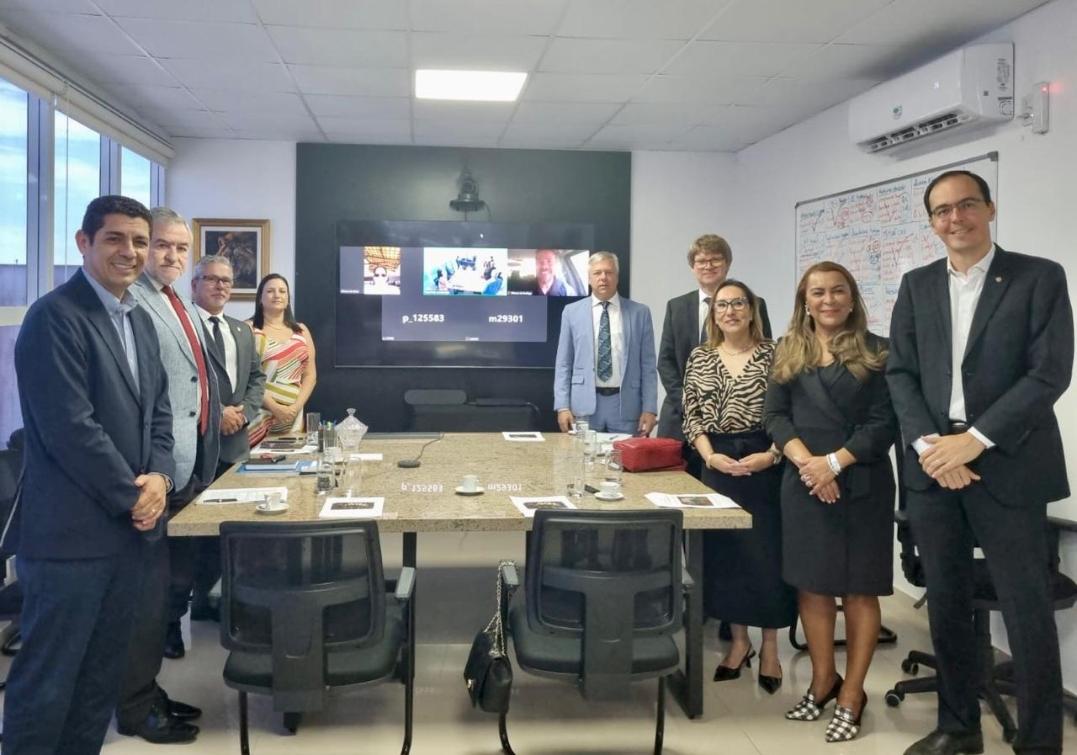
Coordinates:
x,y
844,727
810,709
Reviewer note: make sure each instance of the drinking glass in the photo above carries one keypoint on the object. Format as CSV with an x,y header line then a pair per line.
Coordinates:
x,y
352,479
614,469
313,427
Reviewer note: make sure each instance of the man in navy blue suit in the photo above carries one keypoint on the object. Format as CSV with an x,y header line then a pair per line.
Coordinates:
x,y
605,366
98,467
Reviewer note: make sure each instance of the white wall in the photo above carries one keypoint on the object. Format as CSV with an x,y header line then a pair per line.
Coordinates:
x,y
238,179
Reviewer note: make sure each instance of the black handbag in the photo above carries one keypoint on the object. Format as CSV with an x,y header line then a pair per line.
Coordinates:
x,y
488,672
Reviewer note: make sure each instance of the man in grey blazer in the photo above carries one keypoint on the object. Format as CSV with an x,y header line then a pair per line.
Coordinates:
x,y
710,258
605,370
144,709
242,383
981,347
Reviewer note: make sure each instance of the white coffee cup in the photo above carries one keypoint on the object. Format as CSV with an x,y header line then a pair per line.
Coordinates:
x,y
609,489
469,483
273,501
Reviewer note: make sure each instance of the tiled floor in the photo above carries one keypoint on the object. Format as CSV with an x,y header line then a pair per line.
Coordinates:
x,y
549,718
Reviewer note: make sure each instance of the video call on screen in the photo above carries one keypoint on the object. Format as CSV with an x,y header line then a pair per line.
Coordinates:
x,y
456,294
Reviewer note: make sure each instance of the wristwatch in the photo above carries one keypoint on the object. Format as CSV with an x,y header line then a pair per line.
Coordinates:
x,y
774,452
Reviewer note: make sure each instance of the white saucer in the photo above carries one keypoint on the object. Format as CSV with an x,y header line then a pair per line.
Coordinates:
x,y
475,491
609,496
263,508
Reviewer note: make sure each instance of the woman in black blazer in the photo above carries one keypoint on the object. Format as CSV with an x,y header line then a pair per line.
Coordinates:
x,y
829,411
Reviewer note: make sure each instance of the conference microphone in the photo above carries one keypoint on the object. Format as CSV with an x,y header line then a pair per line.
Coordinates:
x,y
414,463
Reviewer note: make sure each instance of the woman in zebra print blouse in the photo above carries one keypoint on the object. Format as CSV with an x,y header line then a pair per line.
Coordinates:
x,y
725,384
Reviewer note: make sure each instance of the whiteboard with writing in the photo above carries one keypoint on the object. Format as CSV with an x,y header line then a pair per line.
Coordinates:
x,y
879,232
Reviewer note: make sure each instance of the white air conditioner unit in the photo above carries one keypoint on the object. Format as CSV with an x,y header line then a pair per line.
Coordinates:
x,y
969,87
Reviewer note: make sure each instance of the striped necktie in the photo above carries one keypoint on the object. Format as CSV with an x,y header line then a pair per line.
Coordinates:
x,y
605,346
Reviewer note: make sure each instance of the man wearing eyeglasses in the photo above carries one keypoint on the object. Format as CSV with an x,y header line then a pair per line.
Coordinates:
x,y
981,347
682,330
235,361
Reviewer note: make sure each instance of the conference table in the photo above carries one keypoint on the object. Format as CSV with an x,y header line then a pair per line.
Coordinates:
x,y
424,499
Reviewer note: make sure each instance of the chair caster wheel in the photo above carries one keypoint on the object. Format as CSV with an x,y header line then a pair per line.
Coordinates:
x,y
894,698
910,667
291,722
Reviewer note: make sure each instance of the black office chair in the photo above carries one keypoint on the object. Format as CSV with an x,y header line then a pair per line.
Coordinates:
x,y
995,678
10,594
603,600
445,410
305,610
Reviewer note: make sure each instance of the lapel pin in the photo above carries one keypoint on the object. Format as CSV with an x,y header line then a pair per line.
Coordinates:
x,y
998,279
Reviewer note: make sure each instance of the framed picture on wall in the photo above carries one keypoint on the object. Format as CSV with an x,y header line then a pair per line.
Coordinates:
x,y
244,242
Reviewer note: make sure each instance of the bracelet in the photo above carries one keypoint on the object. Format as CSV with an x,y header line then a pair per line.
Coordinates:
x,y
775,454
833,463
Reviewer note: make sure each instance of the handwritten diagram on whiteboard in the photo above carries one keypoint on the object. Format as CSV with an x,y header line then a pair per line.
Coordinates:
x,y
878,232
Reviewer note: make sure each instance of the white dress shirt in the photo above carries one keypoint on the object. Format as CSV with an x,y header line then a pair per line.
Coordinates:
x,y
965,290
616,339
229,345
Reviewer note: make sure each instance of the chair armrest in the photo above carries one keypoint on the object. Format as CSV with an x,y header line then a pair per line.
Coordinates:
x,y
510,578
686,580
405,584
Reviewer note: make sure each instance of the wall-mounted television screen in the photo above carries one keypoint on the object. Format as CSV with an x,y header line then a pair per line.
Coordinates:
x,y
456,294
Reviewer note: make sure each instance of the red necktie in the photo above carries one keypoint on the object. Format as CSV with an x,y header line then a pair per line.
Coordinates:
x,y
196,349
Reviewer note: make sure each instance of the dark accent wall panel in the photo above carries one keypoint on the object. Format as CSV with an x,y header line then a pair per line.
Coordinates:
x,y
337,182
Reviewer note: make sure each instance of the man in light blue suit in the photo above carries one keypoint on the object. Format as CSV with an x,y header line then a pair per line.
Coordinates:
x,y
605,371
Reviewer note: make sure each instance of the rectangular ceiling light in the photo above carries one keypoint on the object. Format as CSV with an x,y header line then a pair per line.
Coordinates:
x,y
477,86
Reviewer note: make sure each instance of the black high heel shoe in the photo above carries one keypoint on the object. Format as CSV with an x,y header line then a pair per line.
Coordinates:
x,y
770,684
809,709
726,673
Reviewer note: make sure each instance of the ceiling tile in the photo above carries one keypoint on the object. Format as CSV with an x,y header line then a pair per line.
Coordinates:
x,y
549,134
784,21
369,82
242,121
199,132
667,114
630,135
497,113
70,35
563,87
126,69
608,55
188,10
347,138
846,61
952,23
334,14
732,90
478,53
367,127
739,58
512,17
638,19
375,108
466,132
244,100
165,98
201,40
340,47
177,118
563,113
712,138
54,6
206,74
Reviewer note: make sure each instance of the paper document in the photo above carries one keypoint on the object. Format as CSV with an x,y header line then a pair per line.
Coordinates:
x,y
351,507
528,506
305,466
691,501
523,437
364,457
274,451
240,495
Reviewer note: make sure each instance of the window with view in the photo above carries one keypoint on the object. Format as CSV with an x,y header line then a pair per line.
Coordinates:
x,y
135,176
13,170
77,182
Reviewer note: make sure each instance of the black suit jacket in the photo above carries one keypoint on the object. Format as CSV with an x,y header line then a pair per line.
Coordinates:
x,y
680,334
249,388
1017,363
88,432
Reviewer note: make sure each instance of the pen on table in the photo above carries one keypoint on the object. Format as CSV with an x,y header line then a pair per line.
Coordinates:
x,y
220,500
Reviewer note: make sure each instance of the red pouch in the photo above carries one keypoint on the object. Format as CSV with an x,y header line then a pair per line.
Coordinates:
x,y
648,454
